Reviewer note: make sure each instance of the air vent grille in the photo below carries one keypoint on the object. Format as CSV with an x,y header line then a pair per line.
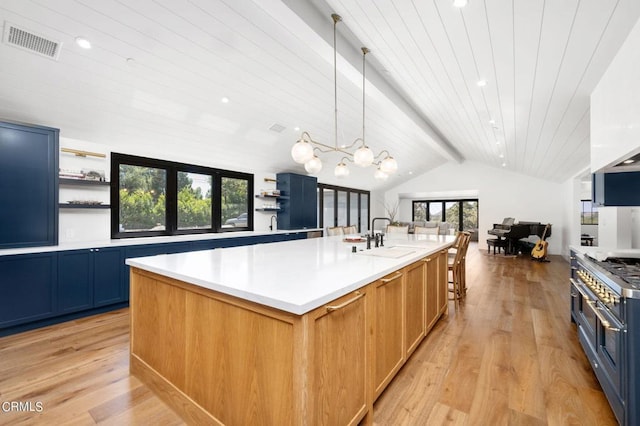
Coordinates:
x,y
31,42
277,128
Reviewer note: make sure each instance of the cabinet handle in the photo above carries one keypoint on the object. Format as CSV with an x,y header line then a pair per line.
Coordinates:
x,y
331,308
427,260
395,277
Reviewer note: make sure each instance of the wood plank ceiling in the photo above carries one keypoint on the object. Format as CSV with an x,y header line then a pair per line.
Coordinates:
x,y
154,79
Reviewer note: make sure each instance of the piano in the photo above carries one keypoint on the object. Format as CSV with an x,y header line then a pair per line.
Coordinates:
x,y
513,233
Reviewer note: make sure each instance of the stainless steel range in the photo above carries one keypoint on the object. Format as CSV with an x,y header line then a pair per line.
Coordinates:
x,y
605,305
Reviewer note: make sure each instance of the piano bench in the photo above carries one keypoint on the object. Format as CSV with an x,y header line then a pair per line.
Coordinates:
x,y
495,242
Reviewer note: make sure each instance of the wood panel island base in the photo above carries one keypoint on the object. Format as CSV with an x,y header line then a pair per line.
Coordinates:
x,y
220,358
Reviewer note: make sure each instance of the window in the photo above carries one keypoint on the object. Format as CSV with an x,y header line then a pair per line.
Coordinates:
x,y
234,202
154,197
462,214
143,194
589,213
343,206
194,200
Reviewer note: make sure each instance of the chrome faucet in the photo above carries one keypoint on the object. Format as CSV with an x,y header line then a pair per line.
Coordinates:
x,y
271,228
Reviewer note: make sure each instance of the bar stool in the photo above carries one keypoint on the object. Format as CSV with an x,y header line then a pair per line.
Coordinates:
x,y
347,230
335,230
392,229
457,267
423,230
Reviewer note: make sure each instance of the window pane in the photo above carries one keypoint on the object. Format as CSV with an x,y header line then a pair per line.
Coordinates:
x,y
452,214
194,201
419,210
328,207
353,209
234,203
142,194
435,211
342,208
364,213
589,215
470,217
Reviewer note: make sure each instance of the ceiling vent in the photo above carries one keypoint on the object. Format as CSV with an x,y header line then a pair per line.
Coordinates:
x,y
28,40
277,128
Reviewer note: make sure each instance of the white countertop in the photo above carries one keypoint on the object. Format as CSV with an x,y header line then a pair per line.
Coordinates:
x,y
293,276
121,242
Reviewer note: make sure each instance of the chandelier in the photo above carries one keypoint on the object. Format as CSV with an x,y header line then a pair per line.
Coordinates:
x,y
305,149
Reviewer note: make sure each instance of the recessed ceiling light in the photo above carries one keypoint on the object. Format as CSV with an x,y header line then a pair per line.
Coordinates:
x,y
504,164
501,155
629,161
224,100
459,3
83,42
410,172
492,121
297,129
497,142
481,83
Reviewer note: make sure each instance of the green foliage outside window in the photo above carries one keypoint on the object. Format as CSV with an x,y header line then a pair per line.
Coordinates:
x,y
233,197
142,198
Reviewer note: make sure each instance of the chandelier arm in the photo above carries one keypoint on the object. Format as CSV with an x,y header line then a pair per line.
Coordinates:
x,y
382,152
354,143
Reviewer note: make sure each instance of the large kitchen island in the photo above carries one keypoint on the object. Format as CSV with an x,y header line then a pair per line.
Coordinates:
x,y
300,332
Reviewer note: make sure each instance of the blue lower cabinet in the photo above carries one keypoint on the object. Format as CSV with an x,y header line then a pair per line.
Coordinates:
x,y
90,278
75,289
108,276
205,245
156,249
151,250
27,288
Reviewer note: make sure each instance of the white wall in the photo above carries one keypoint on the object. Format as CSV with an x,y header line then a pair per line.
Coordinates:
x,y
77,225
501,193
615,106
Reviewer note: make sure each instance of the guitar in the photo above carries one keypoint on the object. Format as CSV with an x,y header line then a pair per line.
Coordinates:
x,y
539,251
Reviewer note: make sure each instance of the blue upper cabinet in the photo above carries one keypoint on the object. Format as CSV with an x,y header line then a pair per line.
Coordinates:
x,y
28,186
616,189
298,201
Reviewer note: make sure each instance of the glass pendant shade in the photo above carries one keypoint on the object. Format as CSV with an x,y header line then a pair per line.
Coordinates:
x,y
341,170
302,151
380,175
313,166
389,165
363,156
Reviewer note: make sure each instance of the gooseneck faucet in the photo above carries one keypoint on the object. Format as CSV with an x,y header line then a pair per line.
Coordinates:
x,y
373,223
271,228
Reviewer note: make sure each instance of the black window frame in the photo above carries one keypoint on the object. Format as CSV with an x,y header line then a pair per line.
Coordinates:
x,y
349,191
460,202
171,209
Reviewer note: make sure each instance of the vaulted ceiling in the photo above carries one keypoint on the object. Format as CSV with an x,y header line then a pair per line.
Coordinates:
x,y
153,81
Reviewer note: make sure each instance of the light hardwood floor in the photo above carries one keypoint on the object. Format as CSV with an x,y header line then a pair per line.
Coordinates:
x,y
508,356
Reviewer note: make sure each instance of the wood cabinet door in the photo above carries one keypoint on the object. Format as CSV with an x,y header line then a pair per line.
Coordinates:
x,y
415,325
388,347
433,290
443,280
338,360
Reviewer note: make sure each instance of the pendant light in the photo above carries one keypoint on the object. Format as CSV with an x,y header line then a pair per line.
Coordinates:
x,y
305,149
